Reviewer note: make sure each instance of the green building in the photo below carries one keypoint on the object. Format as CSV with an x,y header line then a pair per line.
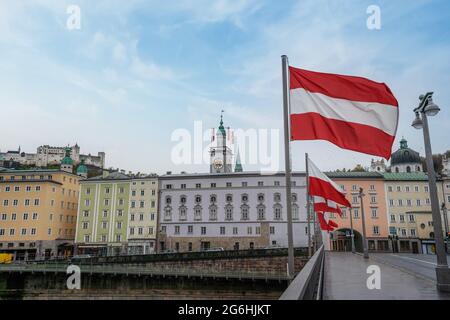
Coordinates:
x,y
103,209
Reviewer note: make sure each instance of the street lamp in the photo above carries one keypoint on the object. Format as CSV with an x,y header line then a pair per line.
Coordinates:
x,y
352,235
428,108
363,222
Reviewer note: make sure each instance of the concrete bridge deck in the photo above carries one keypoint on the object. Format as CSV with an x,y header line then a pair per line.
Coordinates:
x,y
345,278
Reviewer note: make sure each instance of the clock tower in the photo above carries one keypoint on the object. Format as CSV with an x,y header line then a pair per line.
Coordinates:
x,y
220,155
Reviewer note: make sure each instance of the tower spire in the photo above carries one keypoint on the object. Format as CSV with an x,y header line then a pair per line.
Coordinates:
x,y
238,165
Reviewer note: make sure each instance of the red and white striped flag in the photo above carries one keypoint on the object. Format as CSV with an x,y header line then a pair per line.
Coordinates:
x,y
325,225
324,205
354,113
322,186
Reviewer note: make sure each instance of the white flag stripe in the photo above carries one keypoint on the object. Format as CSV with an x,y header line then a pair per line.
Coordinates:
x,y
368,113
315,172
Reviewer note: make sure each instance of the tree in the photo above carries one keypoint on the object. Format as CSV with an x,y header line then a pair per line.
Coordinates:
x,y
358,168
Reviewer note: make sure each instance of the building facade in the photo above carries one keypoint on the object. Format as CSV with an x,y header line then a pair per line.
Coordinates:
x,y
143,218
374,212
409,211
233,211
117,215
38,210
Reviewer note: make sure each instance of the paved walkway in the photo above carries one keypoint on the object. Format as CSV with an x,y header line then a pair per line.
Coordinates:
x,y
346,276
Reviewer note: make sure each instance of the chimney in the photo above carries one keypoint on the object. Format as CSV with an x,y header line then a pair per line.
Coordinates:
x,y
105,173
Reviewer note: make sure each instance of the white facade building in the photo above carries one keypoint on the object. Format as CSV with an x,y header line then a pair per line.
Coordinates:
x,y
239,210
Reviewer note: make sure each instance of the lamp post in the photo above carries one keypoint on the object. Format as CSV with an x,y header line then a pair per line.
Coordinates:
x,y
428,108
363,222
352,235
444,213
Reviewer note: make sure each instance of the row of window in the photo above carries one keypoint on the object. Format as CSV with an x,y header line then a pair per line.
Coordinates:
x,y
38,189
229,212
121,202
140,231
103,238
407,188
408,202
355,211
29,177
33,232
411,218
222,230
35,216
355,187
227,184
104,224
142,192
37,202
229,198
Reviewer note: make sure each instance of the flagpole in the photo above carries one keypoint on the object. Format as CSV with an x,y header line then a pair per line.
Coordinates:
x,y
308,206
287,160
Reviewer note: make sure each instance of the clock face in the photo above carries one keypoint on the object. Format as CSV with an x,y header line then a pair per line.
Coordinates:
x,y
218,163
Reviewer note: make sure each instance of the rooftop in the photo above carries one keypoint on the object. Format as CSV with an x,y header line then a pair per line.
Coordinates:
x,y
403,176
354,174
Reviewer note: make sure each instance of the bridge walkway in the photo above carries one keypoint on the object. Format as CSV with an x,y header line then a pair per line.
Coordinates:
x,y
345,278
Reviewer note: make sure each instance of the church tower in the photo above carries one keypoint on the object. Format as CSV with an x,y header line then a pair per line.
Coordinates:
x,y
221,155
67,162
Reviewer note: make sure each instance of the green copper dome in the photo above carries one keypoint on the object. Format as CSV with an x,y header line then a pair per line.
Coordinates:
x,y
405,154
67,159
82,168
221,127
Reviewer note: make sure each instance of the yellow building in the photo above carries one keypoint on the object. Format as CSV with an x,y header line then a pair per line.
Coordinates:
x,y
38,212
409,211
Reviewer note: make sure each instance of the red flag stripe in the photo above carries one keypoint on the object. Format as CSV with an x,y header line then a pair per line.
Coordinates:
x,y
321,188
347,135
325,208
342,86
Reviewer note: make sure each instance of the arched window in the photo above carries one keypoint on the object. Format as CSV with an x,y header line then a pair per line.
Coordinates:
x,y
197,213
183,199
277,212
168,200
244,197
261,212
213,212
294,197
183,213
168,213
261,197
408,169
213,198
418,169
229,197
229,212
198,199
295,212
244,212
396,169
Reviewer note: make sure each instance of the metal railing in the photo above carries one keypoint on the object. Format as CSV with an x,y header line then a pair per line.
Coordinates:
x,y
146,270
307,285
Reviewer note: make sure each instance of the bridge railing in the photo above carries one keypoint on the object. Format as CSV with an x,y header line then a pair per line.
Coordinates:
x,y
307,285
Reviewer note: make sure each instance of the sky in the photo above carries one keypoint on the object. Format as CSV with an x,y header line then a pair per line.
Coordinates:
x,y
136,72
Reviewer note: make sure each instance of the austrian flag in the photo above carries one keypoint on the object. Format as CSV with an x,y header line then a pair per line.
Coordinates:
x,y
353,113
